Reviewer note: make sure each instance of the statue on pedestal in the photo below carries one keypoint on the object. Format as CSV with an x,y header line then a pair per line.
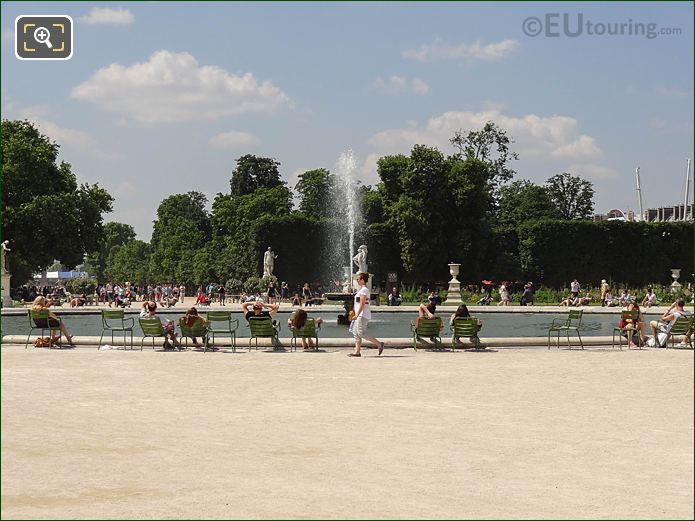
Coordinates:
x,y
269,262
360,259
5,250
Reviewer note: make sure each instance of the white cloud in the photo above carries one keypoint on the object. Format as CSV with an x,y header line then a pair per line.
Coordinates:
x,y
591,171
439,50
234,140
672,92
173,87
399,84
68,138
106,16
552,140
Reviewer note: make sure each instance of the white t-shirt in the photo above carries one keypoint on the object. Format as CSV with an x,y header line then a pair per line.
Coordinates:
x,y
366,312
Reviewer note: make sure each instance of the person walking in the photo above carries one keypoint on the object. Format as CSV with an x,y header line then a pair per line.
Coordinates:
x,y
362,316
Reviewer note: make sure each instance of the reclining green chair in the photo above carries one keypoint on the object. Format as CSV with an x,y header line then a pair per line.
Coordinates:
x,y
39,319
634,316
263,327
114,320
151,328
465,328
221,323
681,327
571,323
310,330
427,328
198,330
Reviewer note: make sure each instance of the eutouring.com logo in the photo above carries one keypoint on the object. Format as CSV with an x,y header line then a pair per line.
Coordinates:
x,y
574,25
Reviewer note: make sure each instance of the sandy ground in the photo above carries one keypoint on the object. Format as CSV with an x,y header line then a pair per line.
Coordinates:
x,y
507,434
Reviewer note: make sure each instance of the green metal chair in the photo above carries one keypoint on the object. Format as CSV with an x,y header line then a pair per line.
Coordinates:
x,y
681,327
427,328
263,327
221,323
633,315
310,330
198,329
114,320
465,328
40,319
571,323
151,328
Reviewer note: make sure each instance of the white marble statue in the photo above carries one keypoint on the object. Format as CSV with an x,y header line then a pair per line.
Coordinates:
x,y
360,259
269,262
5,249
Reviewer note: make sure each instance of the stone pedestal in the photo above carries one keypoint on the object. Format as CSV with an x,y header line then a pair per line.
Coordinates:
x,y
675,285
6,299
454,294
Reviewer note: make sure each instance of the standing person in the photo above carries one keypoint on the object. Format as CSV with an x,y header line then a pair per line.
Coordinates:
x,y
284,292
575,288
306,294
605,288
363,314
109,293
504,295
220,293
182,292
527,295
271,293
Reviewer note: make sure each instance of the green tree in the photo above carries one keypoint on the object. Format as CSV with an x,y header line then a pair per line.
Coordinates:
x,y
433,207
252,173
571,195
115,235
238,252
315,189
47,216
129,263
522,201
182,228
489,145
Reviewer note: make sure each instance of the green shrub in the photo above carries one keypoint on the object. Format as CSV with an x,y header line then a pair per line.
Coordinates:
x,y
81,285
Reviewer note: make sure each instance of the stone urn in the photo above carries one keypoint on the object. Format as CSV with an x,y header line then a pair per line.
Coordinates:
x,y
454,294
675,275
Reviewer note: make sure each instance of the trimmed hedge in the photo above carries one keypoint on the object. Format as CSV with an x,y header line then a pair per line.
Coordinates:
x,y
555,252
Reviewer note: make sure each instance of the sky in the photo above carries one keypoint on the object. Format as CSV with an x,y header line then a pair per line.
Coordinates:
x,y
162,97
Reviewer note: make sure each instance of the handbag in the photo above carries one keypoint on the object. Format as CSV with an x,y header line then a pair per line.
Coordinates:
x,y
351,315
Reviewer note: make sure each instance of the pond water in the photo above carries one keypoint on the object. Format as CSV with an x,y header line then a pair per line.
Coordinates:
x,y
387,325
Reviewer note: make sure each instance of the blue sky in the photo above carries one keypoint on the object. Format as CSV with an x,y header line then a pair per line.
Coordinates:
x,y
161,98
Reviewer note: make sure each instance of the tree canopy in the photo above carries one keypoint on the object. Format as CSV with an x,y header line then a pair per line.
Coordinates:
x,y
426,210
47,216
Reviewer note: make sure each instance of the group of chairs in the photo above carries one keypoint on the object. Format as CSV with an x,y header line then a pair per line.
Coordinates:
x,y
468,328
461,328
216,324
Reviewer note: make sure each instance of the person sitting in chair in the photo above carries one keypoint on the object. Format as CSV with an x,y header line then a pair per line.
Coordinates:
x,y
462,312
42,303
149,310
190,319
298,321
259,309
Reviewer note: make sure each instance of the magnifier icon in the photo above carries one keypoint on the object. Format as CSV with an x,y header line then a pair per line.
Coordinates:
x,y
43,35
